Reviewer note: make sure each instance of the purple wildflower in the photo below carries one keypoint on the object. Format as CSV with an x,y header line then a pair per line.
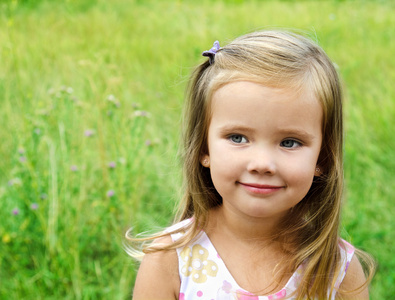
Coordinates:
x,y
148,143
34,206
89,132
74,168
110,193
112,164
15,211
22,159
15,181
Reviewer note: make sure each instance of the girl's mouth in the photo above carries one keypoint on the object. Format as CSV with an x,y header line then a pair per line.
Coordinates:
x,y
263,189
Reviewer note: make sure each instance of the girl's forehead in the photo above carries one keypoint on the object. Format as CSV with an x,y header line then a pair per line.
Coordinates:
x,y
243,89
247,95
301,82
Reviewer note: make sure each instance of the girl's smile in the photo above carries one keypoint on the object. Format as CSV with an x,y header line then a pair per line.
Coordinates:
x,y
260,189
263,147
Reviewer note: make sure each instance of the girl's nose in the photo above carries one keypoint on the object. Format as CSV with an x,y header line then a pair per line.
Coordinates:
x,y
261,162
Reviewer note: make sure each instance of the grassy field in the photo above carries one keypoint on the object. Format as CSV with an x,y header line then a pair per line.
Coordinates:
x,y
90,99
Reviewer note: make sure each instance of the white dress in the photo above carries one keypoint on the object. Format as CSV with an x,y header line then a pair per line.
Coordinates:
x,y
204,276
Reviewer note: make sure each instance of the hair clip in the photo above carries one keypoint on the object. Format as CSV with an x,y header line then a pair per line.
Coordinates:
x,y
211,53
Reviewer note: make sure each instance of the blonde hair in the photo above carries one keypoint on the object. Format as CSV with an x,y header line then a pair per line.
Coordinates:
x,y
279,59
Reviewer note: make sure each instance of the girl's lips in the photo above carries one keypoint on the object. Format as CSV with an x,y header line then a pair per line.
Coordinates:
x,y
262,189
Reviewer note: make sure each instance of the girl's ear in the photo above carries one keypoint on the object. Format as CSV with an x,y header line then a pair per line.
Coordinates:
x,y
205,160
318,171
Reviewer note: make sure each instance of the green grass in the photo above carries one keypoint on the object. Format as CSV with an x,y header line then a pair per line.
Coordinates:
x,y
60,62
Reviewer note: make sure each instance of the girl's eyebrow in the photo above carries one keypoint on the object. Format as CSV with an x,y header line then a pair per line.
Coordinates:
x,y
235,128
297,132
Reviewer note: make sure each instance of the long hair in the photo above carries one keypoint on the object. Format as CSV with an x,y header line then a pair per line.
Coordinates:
x,y
283,60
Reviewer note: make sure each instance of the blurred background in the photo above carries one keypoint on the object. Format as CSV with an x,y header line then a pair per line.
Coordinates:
x,y
91,95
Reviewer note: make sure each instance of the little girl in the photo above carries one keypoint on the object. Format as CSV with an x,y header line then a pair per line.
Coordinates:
x,y
263,170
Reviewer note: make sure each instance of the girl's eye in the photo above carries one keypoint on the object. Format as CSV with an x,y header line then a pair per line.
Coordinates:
x,y
237,139
290,144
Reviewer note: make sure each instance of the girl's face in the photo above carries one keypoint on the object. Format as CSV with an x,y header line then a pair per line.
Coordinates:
x,y
263,147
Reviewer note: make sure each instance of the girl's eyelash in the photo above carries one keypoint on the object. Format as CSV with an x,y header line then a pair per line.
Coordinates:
x,y
293,141
237,138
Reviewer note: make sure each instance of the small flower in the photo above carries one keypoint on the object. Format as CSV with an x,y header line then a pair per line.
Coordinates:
x,y
37,131
69,90
15,211
89,132
34,206
141,113
43,196
112,164
114,100
74,168
110,193
22,159
15,181
148,143
111,98
21,151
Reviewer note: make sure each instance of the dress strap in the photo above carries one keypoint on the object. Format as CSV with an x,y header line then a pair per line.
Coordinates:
x,y
347,252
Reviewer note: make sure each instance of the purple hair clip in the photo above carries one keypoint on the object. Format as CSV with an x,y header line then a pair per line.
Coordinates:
x,y
211,53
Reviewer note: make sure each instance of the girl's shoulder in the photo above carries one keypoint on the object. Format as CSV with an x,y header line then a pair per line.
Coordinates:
x,y
352,276
158,277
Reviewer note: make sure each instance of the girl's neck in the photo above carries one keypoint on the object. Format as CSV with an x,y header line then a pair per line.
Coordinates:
x,y
242,228
248,250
